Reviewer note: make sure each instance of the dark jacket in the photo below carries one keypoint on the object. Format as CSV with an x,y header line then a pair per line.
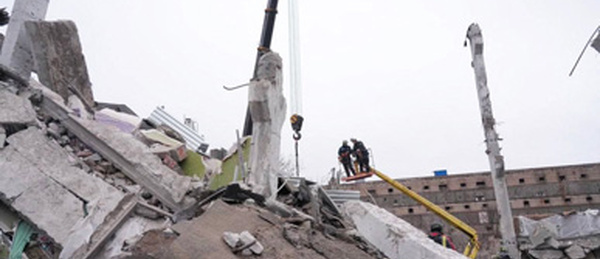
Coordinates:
x,y
360,150
442,239
344,153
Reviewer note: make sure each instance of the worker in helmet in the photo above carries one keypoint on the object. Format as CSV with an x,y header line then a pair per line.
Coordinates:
x,y
362,155
344,157
502,254
437,235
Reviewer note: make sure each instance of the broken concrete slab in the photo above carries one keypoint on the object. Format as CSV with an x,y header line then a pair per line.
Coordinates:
x,y
16,110
546,254
142,159
36,197
131,229
250,241
392,235
53,161
575,252
267,108
125,152
59,58
16,48
90,233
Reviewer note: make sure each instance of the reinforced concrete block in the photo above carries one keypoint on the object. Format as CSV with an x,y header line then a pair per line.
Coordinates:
x,y
155,175
15,110
268,109
393,236
59,58
16,48
36,197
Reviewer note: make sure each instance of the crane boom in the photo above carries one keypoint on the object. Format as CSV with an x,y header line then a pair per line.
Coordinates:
x,y
473,245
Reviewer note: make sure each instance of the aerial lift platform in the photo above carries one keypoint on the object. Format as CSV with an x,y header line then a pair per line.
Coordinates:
x,y
472,247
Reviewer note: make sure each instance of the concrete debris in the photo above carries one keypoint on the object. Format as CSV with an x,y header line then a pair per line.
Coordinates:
x,y
16,48
59,59
575,235
393,236
267,107
16,110
547,254
171,147
244,242
94,184
231,239
140,157
575,252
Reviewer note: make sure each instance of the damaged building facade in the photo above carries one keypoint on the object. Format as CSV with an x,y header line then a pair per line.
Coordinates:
x,y
534,192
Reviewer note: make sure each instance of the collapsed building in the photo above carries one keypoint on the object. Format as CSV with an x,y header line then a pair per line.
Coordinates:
x,y
85,179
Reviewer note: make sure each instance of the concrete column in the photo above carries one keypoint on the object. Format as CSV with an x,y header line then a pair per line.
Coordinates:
x,y
496,160
16,52
59,59
268,109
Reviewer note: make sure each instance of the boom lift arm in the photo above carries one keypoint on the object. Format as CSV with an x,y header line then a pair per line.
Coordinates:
x,y
472,247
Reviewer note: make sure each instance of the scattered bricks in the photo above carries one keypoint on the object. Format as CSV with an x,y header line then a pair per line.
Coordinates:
x,y
84,153
97,168
575,252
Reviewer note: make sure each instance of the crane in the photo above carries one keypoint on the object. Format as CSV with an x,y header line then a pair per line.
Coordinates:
x,y
472,247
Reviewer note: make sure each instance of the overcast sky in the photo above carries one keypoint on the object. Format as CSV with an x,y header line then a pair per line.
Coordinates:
x,y
394,74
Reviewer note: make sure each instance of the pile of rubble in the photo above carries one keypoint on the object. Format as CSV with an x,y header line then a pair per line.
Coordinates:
x,y
574,235
80,180
84,189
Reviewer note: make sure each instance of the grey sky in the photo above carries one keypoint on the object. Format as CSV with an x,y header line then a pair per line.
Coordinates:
x,y
394,74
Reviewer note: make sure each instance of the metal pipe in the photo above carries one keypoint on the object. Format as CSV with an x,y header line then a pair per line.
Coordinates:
x,y
583,50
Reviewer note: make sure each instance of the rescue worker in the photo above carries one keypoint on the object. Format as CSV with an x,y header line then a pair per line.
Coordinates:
x,y
503,254
438,236
344,157
362,155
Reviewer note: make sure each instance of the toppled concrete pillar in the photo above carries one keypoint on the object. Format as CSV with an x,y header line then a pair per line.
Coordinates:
x,y
16,52
59,59
395,237
267,107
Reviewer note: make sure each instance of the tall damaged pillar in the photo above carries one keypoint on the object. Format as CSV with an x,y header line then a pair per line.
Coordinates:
x,y
267,108
59,59
496,160
16,52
